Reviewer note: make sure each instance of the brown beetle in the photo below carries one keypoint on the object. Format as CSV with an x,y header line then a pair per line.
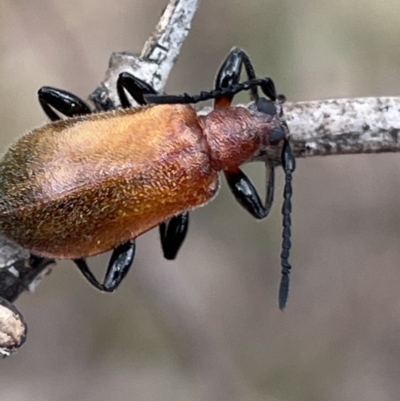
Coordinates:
x,y
94,182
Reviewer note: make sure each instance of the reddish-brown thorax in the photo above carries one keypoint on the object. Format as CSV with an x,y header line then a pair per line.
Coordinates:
x,y
234,134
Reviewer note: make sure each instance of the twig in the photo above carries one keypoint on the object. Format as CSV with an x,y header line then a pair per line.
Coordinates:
x,y
344,126
158,55
12,329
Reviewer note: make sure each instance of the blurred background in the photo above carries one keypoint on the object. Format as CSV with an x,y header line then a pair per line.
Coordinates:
x,y
207,326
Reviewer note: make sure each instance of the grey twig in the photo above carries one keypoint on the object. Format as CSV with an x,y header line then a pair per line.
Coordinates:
x,y
12,329
157,58
344,126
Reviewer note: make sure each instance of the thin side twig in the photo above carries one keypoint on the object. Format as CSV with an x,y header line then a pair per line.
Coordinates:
x,y
157,58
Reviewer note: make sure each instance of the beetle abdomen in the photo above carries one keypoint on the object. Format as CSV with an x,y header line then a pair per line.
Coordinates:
x,y
80,187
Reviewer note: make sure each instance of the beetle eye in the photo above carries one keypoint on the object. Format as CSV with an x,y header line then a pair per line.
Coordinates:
x,y
277,134
265,106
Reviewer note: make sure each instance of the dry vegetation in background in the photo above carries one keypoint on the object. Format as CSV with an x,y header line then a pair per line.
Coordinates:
x,y
339,337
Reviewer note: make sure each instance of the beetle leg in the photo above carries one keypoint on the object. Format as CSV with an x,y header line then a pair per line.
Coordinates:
x,y
246,194
289,165
89,276
135,87
120,262
229,74
64,102
173,233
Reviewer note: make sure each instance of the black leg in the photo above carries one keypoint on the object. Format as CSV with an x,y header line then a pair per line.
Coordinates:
x,y
231,68
172,234
89,276
135,87
246,194
229,74
120,262
64,102
173,231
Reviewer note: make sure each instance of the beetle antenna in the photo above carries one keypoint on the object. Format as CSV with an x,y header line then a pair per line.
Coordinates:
x,y
203,96
289,165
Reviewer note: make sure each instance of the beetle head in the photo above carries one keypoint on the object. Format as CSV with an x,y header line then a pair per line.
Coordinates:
x,y
271,105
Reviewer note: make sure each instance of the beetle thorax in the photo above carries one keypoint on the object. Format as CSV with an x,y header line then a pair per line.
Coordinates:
x,y
234,135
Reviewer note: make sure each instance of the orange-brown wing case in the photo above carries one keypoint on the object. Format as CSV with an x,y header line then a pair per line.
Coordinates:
x,y
80,187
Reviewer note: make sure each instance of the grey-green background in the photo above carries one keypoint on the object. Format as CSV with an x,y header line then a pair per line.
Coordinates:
x,y
207,326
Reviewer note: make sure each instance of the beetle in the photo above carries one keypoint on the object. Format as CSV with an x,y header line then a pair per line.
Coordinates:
x,y
93,182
